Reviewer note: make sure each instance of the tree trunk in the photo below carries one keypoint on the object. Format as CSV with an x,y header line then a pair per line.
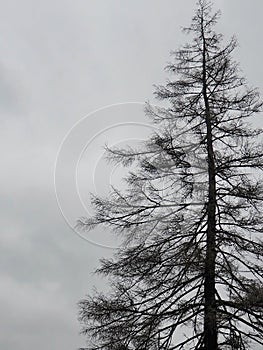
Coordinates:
x,y
210,326
210,323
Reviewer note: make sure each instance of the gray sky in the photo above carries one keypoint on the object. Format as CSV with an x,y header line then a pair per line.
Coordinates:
x,y
60,61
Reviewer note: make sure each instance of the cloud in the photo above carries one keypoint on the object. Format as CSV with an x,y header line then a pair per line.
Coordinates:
x,y
33,313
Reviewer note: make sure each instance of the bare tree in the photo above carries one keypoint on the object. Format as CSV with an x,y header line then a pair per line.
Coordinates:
x,y
189,272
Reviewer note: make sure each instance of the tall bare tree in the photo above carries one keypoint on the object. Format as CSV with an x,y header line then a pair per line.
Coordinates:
x,y
189,272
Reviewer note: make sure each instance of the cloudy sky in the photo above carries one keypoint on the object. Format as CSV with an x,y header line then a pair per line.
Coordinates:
x,y
64,65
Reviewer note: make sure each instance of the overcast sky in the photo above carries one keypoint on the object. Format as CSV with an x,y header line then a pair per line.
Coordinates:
x,y
62,60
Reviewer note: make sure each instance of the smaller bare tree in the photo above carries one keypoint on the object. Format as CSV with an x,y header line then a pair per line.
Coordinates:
x,y
191,217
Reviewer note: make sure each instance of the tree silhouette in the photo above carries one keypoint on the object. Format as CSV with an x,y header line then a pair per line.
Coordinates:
x,y
189,272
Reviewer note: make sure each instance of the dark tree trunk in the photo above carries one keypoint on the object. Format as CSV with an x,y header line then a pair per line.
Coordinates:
x,y
210,324
210,328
